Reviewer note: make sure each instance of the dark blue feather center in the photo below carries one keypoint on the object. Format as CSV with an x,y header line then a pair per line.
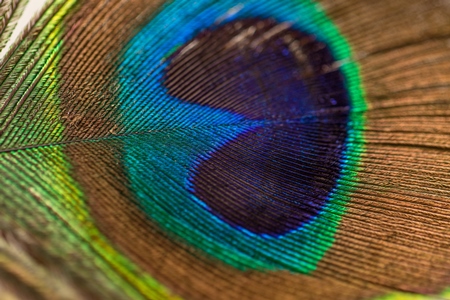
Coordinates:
x,y
278,175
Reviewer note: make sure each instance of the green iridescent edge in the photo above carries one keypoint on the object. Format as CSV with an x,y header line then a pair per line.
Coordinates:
x,y
445,295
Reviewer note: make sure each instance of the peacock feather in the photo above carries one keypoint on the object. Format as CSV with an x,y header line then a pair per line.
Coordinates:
x,y
225,149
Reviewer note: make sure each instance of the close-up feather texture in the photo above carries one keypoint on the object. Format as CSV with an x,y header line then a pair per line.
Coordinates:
x,y
225,149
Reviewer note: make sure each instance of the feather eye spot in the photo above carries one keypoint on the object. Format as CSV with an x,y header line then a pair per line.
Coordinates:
x,y
273,76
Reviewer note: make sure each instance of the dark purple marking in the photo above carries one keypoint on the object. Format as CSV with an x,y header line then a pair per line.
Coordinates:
x,y
276,177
